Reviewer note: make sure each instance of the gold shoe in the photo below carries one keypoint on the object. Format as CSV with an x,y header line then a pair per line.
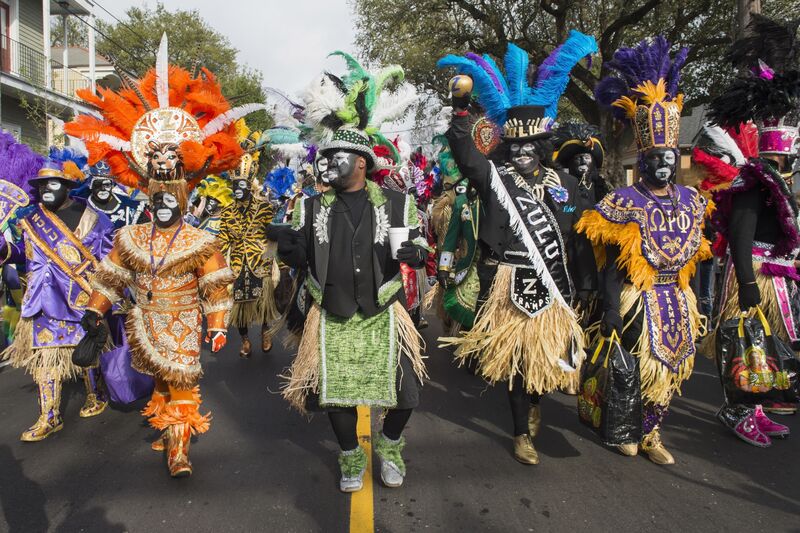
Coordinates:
x,y
178,438
247,349
524,452
43,428
534,420
92,406
655,450
630,450
49,420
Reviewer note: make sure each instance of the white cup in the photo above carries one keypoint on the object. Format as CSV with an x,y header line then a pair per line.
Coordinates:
x,y
397,236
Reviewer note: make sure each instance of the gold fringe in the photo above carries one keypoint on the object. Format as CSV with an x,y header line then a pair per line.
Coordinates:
x,y
261,311
177,263
21,354
506,342
730,309
441,212
431,297
304,374
659,382
108,278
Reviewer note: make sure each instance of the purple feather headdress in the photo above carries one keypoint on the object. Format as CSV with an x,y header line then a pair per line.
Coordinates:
x,y
18,162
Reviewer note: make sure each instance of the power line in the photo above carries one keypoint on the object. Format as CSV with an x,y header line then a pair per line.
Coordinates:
x,y
112,41
124,24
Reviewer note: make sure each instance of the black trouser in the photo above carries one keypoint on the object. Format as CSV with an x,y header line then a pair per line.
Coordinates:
x,y
344,421
521,402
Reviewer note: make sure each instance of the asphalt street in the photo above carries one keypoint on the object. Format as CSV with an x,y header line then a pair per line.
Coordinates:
x,y
262,467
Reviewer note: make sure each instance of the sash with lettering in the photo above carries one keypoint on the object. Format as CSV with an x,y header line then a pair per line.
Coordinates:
x,y
529,293
60,246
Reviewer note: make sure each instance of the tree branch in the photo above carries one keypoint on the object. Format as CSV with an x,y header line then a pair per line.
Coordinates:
x,y
584,103
625,20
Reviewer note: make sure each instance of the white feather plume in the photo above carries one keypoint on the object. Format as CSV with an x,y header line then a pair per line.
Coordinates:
x,y
283,109
442,122
114,142
321,98
722,140
162,72
394,105
230,116
291,151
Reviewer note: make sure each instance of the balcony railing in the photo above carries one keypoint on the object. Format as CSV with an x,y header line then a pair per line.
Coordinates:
x,y
30,65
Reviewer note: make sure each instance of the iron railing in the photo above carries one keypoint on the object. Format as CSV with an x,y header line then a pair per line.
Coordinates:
x,y
30,65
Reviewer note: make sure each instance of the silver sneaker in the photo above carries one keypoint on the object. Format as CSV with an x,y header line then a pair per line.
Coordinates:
x,y
390,474
353,464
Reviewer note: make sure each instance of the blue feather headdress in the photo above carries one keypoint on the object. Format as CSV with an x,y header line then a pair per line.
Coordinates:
x,y
280,182
497,93
644,90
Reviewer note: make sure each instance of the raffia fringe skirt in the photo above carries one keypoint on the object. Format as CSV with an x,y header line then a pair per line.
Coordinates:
x,y
262,310
506,342
304,375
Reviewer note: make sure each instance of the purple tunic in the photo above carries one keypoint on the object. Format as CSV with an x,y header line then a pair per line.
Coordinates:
x,y
58,266
668,244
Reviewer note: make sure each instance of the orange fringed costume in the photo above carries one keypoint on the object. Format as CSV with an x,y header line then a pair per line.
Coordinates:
x,y
164,134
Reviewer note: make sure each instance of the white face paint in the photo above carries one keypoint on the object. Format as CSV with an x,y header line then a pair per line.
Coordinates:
x,y
103,195
164,214
53,185
238,194
48,197
663,174
170,201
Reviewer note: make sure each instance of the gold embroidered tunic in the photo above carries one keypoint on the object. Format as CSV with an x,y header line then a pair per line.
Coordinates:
x,y
165,327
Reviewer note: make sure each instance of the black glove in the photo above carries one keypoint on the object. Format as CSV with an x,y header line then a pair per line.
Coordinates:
x,y
410,254
91,322
292,247
749,296
273,231
443,276
610,323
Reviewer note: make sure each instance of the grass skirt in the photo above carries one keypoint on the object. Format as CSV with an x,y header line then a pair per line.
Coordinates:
x,y
21,354
305,373
506,342
659,382
262,310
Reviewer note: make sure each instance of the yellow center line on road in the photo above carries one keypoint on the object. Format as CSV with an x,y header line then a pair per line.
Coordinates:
x,y
362,517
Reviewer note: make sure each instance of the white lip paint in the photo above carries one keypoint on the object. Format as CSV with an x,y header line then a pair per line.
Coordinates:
x,y
163,214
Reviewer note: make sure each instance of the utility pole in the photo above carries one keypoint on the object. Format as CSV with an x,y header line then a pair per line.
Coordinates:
x,y
743,10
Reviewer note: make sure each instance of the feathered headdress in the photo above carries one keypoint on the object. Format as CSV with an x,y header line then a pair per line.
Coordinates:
x,y
767,90
574,138
216,187
644,90
347,112
499,93
72,162
721,153
168,105
19,164
280,182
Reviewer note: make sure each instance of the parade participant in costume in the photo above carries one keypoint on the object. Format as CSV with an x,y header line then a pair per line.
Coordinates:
x,y
359,345
243,239
525,231
212,195
648,237
121,209
458,259
62,243
720,153
176,128
758,214
579,150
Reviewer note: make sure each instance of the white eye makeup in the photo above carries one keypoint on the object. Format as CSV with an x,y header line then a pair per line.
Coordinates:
x,y
169,201
669,157
53,185
241,184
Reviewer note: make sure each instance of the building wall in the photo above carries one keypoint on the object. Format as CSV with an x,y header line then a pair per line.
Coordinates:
x,y
30,24
15,115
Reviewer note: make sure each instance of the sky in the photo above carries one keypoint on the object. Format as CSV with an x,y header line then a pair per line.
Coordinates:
x,y
287,40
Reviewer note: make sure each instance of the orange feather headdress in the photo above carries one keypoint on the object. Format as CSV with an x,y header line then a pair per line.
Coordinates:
x,y
169,104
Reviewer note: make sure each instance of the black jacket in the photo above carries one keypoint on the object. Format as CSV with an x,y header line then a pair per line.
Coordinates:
x,y
495,233
377,281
